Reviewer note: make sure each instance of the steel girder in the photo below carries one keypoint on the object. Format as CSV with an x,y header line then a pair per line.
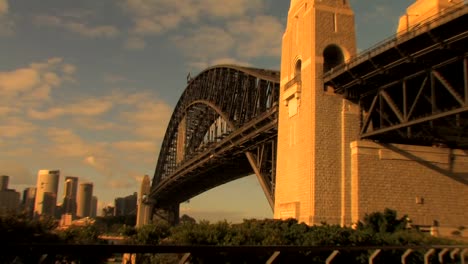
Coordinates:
x,y
427,108
413,88
225,114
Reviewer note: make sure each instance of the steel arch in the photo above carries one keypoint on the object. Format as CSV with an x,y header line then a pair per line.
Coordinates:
x,y
245,99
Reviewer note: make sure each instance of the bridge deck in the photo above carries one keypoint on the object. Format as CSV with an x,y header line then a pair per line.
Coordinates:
x,y
413,88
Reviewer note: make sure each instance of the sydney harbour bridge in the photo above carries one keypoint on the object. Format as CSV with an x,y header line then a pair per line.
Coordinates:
x,y
411,89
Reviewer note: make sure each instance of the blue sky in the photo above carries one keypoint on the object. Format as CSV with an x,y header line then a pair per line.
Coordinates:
x,y
88,86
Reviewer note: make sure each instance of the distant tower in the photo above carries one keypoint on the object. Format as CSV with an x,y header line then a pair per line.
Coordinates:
x,y
85,196
126,205
94,206
46,192
9,199
29,197
69,195
316,126
144,209
4,180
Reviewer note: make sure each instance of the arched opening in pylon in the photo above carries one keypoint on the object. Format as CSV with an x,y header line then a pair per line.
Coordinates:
x,y
332,57
298,69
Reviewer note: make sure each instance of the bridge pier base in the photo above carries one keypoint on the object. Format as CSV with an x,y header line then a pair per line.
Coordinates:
x,y
168,214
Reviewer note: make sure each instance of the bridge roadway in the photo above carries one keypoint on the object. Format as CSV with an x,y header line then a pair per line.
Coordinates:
x,y
412,89
245,100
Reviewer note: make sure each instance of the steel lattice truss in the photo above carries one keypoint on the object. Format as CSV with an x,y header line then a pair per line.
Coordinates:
x,y
224,127
413,89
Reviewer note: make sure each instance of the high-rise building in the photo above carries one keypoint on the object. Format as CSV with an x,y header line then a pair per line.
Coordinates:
x,y
69,205
9,199
94,205
85,196
46,192
126,205
144,209
29,196
4,182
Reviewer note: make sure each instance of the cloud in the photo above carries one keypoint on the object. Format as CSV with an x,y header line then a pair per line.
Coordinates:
x,y
158,16
86,107
206,41
19,173
135,146
115,78
93,123
48,130
245,39
3,7
105,31
66,143
212,29
135,43
33,83
13,127
227,9
205,63
148,119
7,24
6,110
258,36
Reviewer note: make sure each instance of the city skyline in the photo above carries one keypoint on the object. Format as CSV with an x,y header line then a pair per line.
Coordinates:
x,y
78,199
89,87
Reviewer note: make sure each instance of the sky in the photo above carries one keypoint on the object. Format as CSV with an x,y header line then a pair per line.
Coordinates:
x,y
88,87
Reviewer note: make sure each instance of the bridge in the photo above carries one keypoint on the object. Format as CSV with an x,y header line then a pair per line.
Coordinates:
x,y
413,87
224,127
410,89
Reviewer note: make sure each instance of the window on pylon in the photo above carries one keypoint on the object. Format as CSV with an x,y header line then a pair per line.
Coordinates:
x,y
297,71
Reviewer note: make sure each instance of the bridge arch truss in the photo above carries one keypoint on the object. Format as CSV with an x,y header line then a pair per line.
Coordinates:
x,y
223,127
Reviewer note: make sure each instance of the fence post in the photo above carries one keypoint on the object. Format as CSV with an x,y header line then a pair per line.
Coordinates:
x,y
374,255
454,253
405,255
332,256
441,255
273,257
463,253
185,258
428,255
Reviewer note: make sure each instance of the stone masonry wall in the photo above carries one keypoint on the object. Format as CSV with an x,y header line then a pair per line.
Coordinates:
x,y
426,183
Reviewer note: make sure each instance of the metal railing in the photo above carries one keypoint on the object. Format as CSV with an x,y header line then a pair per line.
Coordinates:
x,y
428,253
423,26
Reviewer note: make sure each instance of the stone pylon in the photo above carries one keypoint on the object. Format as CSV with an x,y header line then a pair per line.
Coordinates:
x,y
316,126
144,208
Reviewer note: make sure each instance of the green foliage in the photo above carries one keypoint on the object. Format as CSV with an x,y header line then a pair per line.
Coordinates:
x,y
151,234
386,222
20,229
114,224
377,229
88,234
185,219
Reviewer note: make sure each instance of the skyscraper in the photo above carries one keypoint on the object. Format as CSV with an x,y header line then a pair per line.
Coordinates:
x,y
46,192
126,205
29,196
69,205
9,199
4,182
85,196
94,205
